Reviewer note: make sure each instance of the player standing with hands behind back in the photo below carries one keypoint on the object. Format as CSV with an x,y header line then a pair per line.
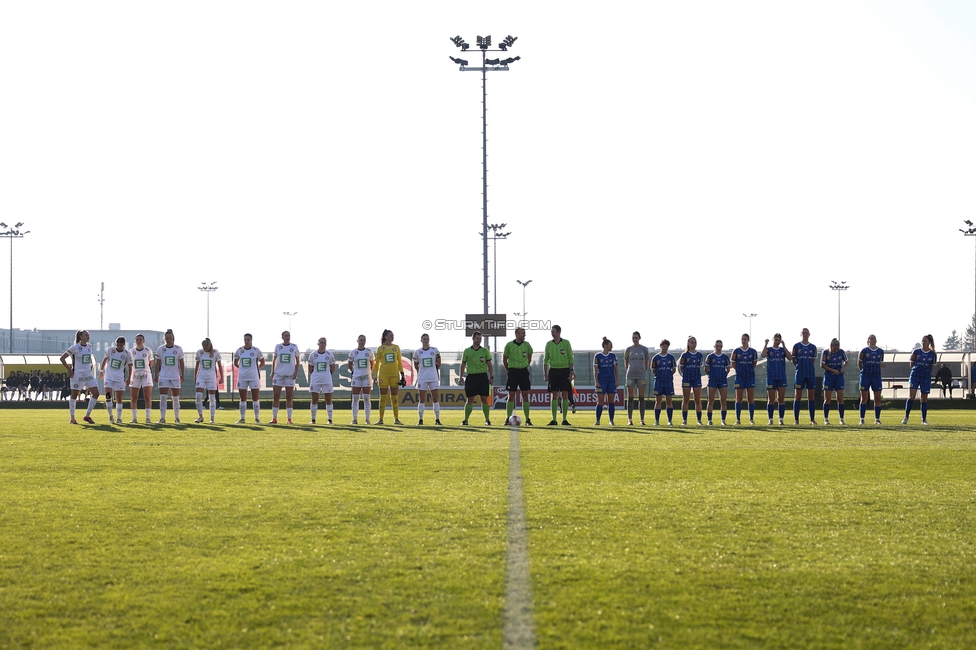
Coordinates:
x,y
81,374
249,360
557,367
284,370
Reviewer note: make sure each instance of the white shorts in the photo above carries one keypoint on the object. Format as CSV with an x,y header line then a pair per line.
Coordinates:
x,y
169,384
362,382
283,380
80,382
428,385
141,380
207,384
248,384
322,388
114,385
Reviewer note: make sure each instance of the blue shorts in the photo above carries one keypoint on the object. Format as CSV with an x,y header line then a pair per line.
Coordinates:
x,y
691,382
745,382
719,382
922,385
775,383
606,386
833,382
663,388
870,383
805,382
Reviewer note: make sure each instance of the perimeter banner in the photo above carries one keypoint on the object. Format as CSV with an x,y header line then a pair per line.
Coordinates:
x,y
585,396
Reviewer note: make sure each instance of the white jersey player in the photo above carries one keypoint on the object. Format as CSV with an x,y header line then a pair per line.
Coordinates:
x,y
361,361
208,368
427,363
284,370
248,360
169,370
321,366
81,374
115,375
140,380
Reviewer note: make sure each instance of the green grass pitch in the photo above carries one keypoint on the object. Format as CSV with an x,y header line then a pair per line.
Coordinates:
x,y
226,535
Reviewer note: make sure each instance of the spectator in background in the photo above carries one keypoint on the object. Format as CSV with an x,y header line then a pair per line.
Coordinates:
x,y
35,385
944,377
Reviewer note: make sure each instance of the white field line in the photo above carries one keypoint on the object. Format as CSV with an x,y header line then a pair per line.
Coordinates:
x,y
519,629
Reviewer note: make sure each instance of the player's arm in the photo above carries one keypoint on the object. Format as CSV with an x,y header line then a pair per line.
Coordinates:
x,y
298,356
70,369
196,370
674,366
464,365
156,365
733,360
101,370
274,362
437,361
792,355
311,367
505,357
616,376
182,369
529,356
843,366
860,360
545,364
572,362
706,365
261,363
237,361
647,360
765,350
626,361
755,361
332,365
596,369
491,372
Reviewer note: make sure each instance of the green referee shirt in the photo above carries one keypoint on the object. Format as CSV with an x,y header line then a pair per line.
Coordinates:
x,y
476,360
518,354
558,355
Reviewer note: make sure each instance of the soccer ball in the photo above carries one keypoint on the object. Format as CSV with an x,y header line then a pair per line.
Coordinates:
x,y
515,421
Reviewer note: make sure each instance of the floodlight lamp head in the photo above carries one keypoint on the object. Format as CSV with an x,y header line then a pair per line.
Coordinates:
x,y
460,62
484,42
508,42
18,225
3,225
459,42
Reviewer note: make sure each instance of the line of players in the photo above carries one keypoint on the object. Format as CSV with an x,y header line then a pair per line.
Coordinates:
x,y
138,369
743,360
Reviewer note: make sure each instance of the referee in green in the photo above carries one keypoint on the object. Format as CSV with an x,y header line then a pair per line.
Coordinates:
x,y
557,366
476,361
516,359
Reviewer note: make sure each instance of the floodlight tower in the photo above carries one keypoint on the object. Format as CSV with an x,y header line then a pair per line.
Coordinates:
x,y
208,288
750,316
289,314
101,302
12,233
838,287
970,231
524,285
487,65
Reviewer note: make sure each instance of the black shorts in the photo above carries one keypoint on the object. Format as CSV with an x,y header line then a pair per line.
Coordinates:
x,y
519,379
559,380
476,385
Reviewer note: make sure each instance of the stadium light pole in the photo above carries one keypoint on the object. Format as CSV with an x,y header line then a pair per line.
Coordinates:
x,y
750,316
208,288
970,231
524,285
838,287
289,314
12,232
487,65
101,302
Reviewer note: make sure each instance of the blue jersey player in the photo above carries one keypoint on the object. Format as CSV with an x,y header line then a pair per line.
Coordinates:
x,y
605,369
717,365
663,366
834,363
690,365
920,378
805,359
744,361
776,357
870,362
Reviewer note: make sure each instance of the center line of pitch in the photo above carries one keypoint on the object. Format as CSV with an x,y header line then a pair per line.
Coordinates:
x,y
519,629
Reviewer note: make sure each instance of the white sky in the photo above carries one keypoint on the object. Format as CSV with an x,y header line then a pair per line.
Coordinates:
x,y
663,166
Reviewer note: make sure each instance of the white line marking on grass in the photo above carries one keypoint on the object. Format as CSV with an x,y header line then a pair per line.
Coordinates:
x,y
519,626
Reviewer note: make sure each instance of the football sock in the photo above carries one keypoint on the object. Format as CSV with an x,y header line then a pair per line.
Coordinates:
x,y
925,410
670,411
163,405
289,411
877,412
642,407
840,409
328,411
257,409
176,406
437,410
200,404
769,409
752,410
396,408
630,408
468,407
72,405
314,409
738,410
724,413
420,411
908,407
274,412
487,409
92,401
657,415
243,408
812,409
599,412
367,404
355,407
610,410
826,410
782,411
863,410
554,409
796,409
